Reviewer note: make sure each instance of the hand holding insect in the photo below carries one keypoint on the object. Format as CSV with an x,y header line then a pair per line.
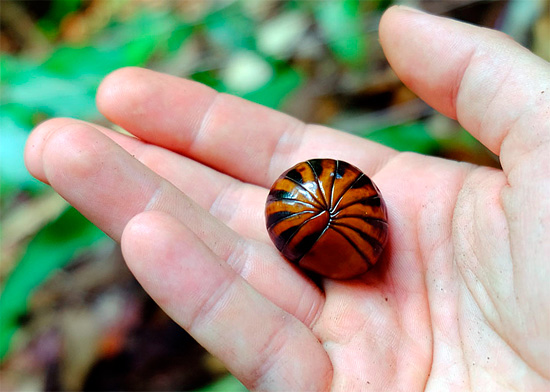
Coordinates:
x,y
460,300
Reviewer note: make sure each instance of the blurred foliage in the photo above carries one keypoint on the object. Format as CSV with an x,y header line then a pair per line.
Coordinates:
x,y
318,60
51,248
342,24
225,384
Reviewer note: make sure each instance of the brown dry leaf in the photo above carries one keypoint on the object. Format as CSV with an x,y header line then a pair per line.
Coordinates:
x,y
24,220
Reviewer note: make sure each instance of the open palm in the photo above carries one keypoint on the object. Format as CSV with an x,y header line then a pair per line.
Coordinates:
x,y
459,300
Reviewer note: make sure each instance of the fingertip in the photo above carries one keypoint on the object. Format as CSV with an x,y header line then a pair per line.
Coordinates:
x,y
34,147
115,78
144,231
33,151
149,250
396,24
131,240
72,153
151,236
168,259
117,91
390,18
427,52
148,104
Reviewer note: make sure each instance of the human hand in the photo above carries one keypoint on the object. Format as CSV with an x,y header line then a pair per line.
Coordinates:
x,y
460,299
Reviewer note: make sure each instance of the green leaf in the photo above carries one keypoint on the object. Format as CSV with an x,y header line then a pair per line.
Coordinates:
x,y
139,38
209,78
66,83
342,24
406,137
15,123
272,94
131,43
277,90
12,67
226,384
55,91
52,248
76,62
56,96
178,37
231,29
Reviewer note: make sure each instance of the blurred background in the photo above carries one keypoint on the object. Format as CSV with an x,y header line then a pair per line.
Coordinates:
x,y
71,315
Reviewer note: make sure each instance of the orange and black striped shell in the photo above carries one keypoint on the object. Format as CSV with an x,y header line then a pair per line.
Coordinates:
x,y
328,217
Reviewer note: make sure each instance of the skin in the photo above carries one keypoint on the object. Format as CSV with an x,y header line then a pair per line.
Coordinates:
x,y
459,300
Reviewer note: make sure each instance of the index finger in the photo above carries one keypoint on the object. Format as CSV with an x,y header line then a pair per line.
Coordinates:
x,y
248,141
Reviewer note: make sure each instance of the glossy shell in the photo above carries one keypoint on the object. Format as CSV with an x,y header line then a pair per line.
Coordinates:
x,y
328,217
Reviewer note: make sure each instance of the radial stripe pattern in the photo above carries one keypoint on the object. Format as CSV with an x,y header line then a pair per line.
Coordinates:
x,y
327,216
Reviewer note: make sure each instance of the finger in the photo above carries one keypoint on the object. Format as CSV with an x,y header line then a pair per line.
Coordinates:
x,y
239,205
110,187
496,89
265,347
499,92
245,140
